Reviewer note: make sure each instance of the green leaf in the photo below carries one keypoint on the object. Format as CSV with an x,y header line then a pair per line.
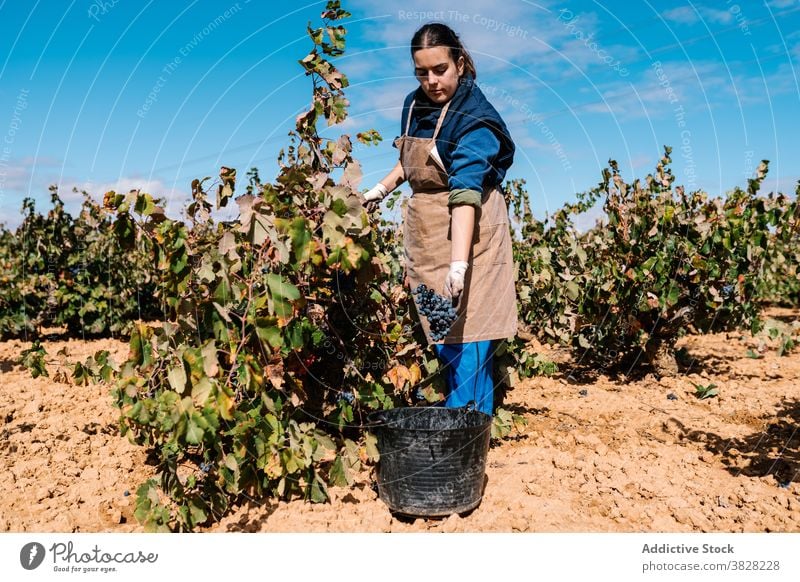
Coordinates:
x,y
371,443
210,362
711,393
290,461
339,475
282,293
177,378
33,360
673,294
144,205
786,346
231,463
703,392
206,271
200,391
301,240
197,512
572,289
282,288
431,366
319,491
194,434
223,312
648,264
315,34
294,336
268,332
80,375
179,263
146,497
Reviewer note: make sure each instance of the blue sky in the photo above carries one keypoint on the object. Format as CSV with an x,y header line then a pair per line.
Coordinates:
x,y
122,94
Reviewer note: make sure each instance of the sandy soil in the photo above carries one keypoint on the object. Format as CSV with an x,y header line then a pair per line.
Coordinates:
x,y
619,457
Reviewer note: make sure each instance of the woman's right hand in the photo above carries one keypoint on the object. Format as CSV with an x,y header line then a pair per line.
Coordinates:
x,y
372,198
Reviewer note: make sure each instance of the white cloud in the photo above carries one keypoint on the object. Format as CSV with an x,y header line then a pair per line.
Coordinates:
x,y
795,52
550,47
786,185
693,15
682,15
14,178
599,57
717,16
525,140
41,162
585,221
705,85
495,35
15,175
644,162
360,65
16,183
779,4
22,180
174,197
383,100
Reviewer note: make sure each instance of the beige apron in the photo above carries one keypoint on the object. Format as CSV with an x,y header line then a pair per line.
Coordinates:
x,y
488,305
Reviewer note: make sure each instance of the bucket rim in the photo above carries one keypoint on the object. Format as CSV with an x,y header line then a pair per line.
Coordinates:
x,y
374,420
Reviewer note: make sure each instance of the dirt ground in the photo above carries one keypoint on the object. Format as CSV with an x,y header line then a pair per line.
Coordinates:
x,y
599,456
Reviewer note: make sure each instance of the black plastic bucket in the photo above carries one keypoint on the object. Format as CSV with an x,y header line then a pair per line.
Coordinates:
x,y
432,459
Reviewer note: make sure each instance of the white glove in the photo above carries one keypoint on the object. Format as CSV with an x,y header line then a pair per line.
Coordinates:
x,y
372,199
454,284
378,193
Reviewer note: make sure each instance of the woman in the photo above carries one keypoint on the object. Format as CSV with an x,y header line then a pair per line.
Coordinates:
x,y
454,151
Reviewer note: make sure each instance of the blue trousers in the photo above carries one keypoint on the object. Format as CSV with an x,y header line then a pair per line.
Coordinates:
x,y
468,374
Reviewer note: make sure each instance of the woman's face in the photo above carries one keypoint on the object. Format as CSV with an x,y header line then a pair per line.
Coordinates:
x,y
437,73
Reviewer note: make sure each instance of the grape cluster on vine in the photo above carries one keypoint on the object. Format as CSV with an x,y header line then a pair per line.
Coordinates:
x,y
437,309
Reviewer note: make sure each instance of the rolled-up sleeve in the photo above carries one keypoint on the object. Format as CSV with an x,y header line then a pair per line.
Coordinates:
x,y
472,161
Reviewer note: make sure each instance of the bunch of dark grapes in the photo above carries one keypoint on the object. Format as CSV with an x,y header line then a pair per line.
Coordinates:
x,y
437,308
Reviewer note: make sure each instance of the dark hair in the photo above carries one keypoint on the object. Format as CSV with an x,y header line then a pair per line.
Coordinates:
x,y
436,34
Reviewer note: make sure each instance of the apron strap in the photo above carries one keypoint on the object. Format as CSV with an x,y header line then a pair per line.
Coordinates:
x,y
438,122
408,121
441,119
